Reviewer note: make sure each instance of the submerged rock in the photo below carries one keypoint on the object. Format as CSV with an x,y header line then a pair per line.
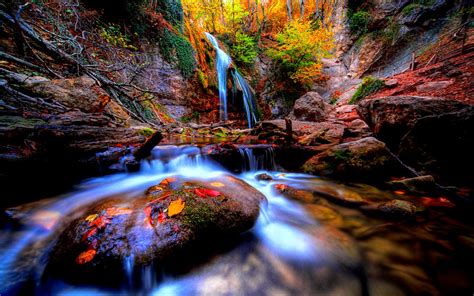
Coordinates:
x,y
393,209
172,218
364,159
422,184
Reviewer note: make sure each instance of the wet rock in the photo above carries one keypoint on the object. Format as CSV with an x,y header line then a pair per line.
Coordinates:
x,y
325,215
422,184
296,194
172,218
310,107
393,209
392,117
264,177
364,159
339,195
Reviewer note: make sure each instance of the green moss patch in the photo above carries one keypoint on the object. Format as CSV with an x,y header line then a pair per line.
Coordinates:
x,y
368,86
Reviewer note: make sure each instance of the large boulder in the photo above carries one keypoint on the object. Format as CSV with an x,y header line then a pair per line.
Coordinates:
x,y
310,107
443,145
172,219
391,118
365,159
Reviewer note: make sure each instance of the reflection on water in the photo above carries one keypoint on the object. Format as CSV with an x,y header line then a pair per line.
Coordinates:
x,y
313,238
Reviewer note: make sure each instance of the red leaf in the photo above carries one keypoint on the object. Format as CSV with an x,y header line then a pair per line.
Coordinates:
x,y
147,211
89,233
206,192
161,217
100,222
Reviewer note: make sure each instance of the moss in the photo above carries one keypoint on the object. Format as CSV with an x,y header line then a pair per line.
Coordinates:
x,y
18,121
410,8
146,132
358,22
177,49
368,86
197,214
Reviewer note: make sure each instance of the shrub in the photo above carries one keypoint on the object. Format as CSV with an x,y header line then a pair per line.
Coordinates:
x,y
243,49
359,21
300,49
368,86
176,48
112,35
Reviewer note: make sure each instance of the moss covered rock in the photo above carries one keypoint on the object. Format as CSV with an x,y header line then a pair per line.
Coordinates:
x,y
173,218
364,159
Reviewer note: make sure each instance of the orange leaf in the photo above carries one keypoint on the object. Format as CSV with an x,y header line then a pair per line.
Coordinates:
x,y
217,184
400,192
86,256
176,207
281,187
167,181
118,211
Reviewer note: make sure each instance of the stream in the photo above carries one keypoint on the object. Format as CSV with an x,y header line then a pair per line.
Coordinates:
x,y
309,239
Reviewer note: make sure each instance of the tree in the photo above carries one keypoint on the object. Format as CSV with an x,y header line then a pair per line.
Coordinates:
x,y
300,50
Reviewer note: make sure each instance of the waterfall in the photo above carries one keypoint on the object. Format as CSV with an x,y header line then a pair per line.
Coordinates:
x,y
223,62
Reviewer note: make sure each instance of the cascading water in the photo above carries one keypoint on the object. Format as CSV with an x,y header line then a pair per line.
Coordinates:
x,y
223,62
294,248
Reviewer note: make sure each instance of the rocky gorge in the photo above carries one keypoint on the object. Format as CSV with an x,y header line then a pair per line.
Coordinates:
x,y
121,174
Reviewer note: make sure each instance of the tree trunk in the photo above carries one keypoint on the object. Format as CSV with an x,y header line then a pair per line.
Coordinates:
x,y
289,9
302,3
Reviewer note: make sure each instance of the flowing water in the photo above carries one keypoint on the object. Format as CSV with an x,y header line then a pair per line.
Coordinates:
x,y
223,62
305,242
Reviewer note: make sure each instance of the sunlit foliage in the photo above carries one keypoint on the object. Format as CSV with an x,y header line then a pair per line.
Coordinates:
x,y
300,50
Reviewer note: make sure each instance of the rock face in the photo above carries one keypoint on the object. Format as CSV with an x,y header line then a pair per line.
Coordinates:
x,y
391,118
366,158
81,92
310,107
169,219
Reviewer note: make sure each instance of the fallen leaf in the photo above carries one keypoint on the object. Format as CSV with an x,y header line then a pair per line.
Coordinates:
x,y
217,184
167,181
89,233
112,212
161,217
162,197
400,192
176,207
86,256
91,218
206,192
281,187
100,222
148,218
437,202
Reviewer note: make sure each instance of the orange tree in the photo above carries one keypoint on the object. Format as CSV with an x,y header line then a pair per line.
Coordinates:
x,y
300,48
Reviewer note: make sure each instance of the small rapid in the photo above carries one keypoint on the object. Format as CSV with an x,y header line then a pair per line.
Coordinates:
x,y
305,241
